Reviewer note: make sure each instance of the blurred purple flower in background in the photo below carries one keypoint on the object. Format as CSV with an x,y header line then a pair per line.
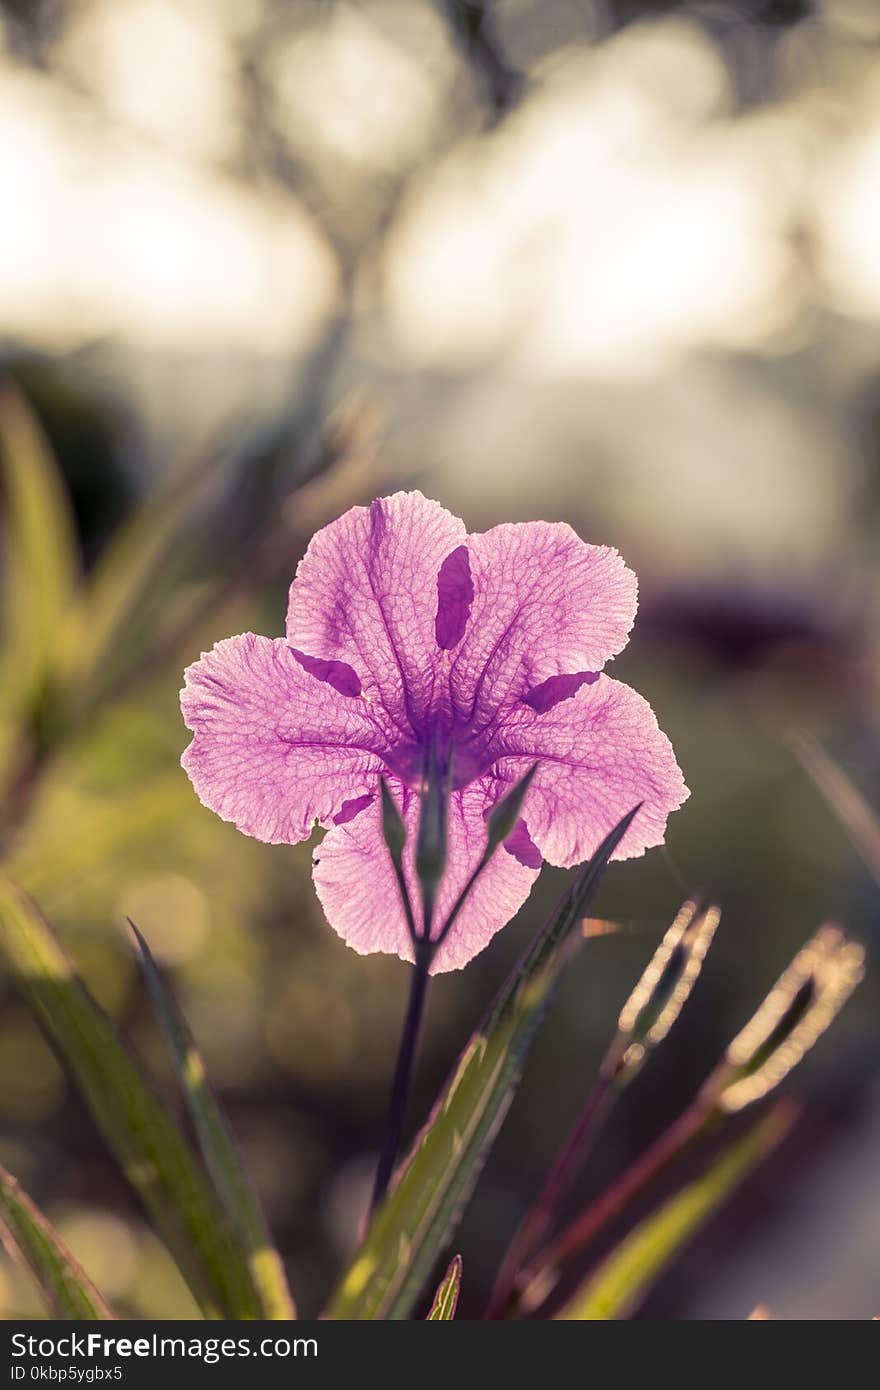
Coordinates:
x,y
409,640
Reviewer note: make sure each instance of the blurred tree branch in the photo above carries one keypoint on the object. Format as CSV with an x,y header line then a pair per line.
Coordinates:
x,y
474,27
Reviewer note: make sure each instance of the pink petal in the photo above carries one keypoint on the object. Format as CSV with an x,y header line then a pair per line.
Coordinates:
x,y
521,845
349,809
555,688
335,673
366,594
545,604
358,890
275,748
455,594
599,753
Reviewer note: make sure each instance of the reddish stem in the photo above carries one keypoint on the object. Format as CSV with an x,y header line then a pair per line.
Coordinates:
x,y
536,1222
536,1282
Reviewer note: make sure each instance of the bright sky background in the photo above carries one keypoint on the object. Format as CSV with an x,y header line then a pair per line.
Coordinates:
x,y
621,219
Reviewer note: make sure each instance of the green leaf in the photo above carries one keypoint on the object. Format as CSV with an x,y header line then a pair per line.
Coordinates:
x,y
419,1217
28,1236
218,1146
446,1298
42,562
153,1153
624,1277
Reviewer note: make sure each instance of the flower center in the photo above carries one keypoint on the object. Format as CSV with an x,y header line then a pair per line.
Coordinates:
x,y
465,756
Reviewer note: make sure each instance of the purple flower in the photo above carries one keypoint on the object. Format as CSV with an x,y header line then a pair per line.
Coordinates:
x,y
405,632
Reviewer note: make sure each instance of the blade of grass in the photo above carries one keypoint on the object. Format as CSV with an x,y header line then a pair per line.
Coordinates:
x,y
624,1277
42,564
28,1236
153,1153
861,823
218,1145
446,1298
419,1217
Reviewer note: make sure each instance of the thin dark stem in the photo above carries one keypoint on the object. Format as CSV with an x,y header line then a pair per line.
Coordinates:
x,y
537,1220
425,950
403,1074
537,1281
407,904
460,900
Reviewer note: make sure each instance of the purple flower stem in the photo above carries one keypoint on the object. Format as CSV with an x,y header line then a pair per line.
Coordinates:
x,y
537,1220
403,1072
424,949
